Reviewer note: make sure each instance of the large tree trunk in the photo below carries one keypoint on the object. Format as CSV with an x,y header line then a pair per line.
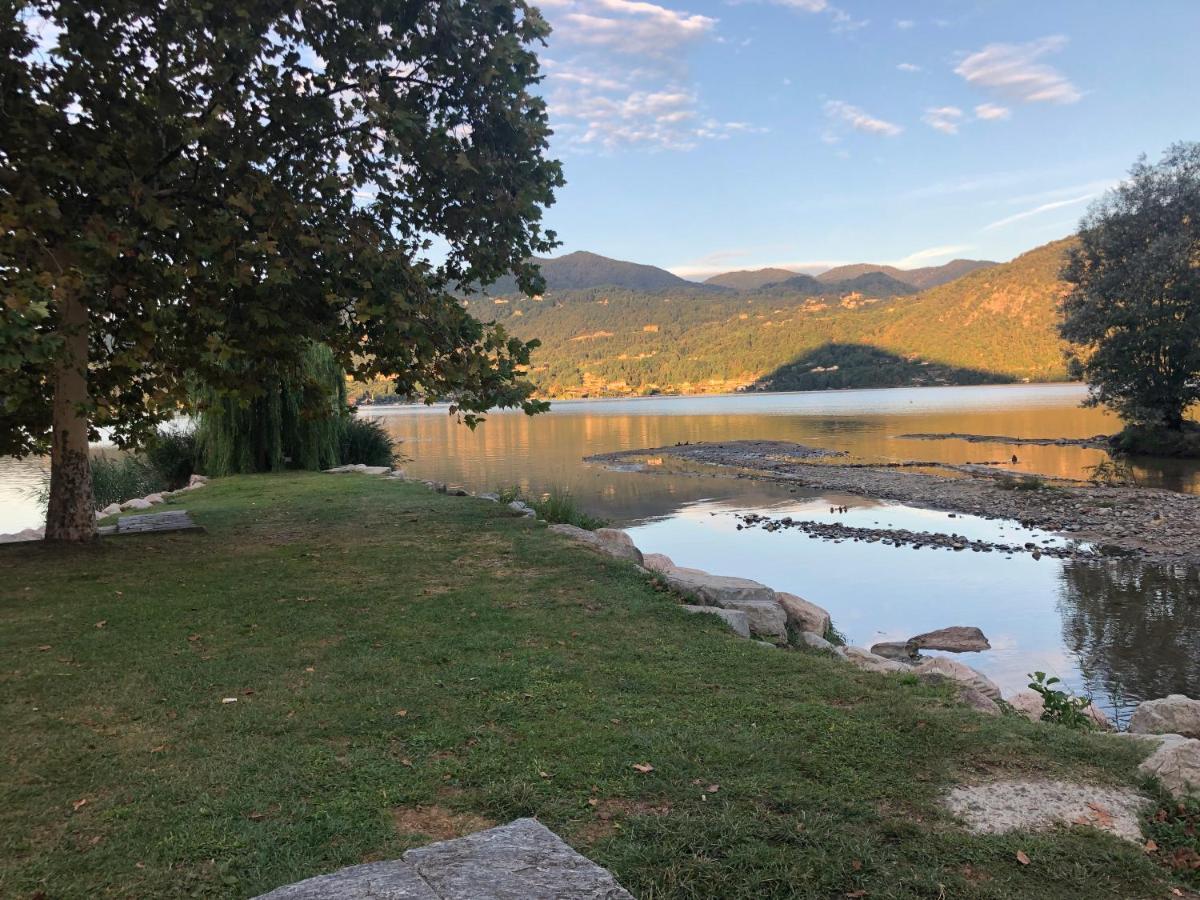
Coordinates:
x,y
71,515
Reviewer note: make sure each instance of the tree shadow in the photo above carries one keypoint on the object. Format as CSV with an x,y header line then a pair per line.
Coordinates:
x,y
837,365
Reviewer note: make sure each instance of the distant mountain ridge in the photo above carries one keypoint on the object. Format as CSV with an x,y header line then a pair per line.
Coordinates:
x,y
997,323
581,270
750,279
921,279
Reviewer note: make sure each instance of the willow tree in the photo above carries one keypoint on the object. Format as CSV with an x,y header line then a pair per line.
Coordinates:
x,y
198,192
1134,303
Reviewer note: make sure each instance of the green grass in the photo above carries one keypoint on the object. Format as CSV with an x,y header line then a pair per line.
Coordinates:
x,y
409,665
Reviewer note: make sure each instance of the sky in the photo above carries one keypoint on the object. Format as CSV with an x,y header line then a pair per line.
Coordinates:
x,y
709,135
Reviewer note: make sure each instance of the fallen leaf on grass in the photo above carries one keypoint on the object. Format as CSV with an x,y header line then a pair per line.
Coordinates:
x,y
44,647
310,668
102,623
402,713
856,865
545,774
1022,858
159,749
406,762
79,804
713,788
643,767
229,699
1151,847
256,816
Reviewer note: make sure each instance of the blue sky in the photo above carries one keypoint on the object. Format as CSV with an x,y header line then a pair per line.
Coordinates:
x,y
703,135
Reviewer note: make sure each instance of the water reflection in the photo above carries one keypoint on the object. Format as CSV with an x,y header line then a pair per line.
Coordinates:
x,y
1134,629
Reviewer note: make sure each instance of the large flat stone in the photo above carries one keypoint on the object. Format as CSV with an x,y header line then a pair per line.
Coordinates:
x,y
955,639
1175,714
940,666
716,590
804,615
391,880
523,860
613,542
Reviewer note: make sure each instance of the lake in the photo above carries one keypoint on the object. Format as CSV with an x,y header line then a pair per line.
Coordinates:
x,y
1120,630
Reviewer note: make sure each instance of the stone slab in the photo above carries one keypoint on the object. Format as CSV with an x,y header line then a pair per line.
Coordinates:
x,y
523,860
171,520
737,620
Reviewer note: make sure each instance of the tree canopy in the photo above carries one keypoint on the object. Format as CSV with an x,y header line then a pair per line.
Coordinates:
x,y
1134,304
197,192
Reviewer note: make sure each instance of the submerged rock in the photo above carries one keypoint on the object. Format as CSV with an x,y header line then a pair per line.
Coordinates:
x,y
738,621
1174,714
955,639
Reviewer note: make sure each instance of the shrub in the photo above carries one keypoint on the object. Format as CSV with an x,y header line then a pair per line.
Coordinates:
x,y
559,506
1111,472
175,455
116,479
1060,706
1150,440
365,441
1024,483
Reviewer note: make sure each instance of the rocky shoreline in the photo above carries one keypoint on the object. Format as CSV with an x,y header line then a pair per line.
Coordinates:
x,y
1151,523
1096,442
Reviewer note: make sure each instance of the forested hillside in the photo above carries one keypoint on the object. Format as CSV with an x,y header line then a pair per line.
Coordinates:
x,y
994,324
921,279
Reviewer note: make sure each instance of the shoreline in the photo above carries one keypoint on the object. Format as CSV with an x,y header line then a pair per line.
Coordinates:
x,y
1150,523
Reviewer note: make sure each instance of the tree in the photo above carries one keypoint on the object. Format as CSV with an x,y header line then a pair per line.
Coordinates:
x,y
1134,304
197,192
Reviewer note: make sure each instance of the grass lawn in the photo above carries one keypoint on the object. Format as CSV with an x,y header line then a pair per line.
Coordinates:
x,y
410,666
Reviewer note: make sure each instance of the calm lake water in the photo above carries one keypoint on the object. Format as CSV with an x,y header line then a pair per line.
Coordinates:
x,y
1119,630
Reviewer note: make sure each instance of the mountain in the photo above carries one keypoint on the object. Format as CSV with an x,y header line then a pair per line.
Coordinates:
x,y
921,279
869,284
993,324
581,270
750,279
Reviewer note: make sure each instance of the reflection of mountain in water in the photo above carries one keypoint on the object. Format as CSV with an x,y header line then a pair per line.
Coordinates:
x,y
1135,627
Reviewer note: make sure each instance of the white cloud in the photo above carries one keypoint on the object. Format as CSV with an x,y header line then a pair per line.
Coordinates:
x,y
931,254
909,67
1038,210
840,112
619,77
841,20
945,119
905,24
991,112
1013,70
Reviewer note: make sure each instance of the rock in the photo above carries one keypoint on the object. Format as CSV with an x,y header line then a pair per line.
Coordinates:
x,y
111,510
897,650
491,498
964,674
523,860
27,534
717,590
766,618
611,545
811,641
978,701
397,473
376,470
519,506
1174,714
154,499
803,615
1176,764
955,639
137,503
657,562
621,544
1029,704
868,661
197,480
1034,804
738,621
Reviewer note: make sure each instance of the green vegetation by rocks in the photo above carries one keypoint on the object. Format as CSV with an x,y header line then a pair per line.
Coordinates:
x,y
341,668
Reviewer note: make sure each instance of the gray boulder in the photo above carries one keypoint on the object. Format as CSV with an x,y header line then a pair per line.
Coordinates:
x,y
940,666
1176,764
897,650
137,503
802,614
955,639
610,544
978,701
657,562
869,662
811,641
738,621
523,860
1174,714
718,590
111,510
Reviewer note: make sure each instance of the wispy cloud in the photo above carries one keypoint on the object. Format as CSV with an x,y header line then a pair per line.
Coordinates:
x,y
991,112
1038,210
905,24
618,76
840,20
1013,71
841,113
945,119
931,255
909,67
